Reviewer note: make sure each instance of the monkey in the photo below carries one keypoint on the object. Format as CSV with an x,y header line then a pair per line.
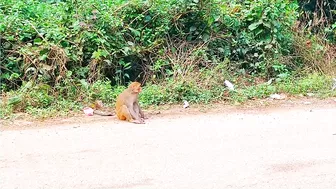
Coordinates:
x,y
99,109
127,105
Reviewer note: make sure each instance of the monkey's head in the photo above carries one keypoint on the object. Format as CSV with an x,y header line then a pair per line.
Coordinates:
x,y
135,87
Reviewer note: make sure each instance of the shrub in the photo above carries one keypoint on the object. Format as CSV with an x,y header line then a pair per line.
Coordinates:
x,y
127,40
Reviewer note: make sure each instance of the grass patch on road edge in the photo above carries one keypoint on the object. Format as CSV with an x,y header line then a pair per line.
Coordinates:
x,y
40,102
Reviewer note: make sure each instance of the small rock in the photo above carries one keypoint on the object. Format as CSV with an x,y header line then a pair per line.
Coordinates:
x,y
306,103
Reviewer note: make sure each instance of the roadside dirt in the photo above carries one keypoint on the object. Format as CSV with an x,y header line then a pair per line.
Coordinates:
x,y
175,111
262,144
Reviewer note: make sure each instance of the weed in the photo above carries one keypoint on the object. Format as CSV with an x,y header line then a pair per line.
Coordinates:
x,y
315,54
58,56
313,83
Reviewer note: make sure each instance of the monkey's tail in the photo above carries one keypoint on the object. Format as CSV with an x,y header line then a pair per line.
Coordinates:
x,y
98,112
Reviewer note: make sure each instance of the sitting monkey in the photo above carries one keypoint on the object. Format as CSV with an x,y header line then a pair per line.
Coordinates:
x,y
127,105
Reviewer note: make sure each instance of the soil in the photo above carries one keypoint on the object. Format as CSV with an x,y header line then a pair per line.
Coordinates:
x,y
261,144
174,111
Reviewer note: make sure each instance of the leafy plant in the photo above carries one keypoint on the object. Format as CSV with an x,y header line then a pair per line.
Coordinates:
x,y
58,55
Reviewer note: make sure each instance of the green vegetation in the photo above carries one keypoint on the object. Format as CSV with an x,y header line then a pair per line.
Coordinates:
x,y
57,56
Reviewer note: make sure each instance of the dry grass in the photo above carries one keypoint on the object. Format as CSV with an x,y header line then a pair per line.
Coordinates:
x,y
53,66
316,54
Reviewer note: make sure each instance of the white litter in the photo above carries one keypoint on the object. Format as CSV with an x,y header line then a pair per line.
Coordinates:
x,y
310,94
229,85
277,96
186,104
334,84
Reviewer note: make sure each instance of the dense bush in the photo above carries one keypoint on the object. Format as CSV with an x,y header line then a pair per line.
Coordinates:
x,y
127,40
319,16
58,55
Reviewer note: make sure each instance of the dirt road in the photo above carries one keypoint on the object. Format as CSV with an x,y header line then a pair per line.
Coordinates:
x,y
278,148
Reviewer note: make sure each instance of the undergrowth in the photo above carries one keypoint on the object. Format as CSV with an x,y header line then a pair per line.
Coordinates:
x,y
43,103
57,56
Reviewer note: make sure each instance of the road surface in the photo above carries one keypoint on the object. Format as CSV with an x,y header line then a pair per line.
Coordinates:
x,y
284,148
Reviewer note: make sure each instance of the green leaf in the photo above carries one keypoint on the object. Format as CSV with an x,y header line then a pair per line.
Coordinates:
x,y
2,27
148,18
108,62
15,100
135,32
96,54
192,28
43,57
69,74
14,76
267,25
126,50
130,43
216,18
5,76
254,26
205,37
259,31
104,53
38,41
84,83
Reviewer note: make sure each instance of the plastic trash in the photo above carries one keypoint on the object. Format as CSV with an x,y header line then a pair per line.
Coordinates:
x,y
186,104
277,96
88,111
229,85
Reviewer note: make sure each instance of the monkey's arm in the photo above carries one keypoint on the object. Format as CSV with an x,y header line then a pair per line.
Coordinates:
x,y
138,109
142,114
132,112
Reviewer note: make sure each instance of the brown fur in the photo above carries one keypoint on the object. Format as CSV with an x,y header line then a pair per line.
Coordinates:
x,y
127,105
99,109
